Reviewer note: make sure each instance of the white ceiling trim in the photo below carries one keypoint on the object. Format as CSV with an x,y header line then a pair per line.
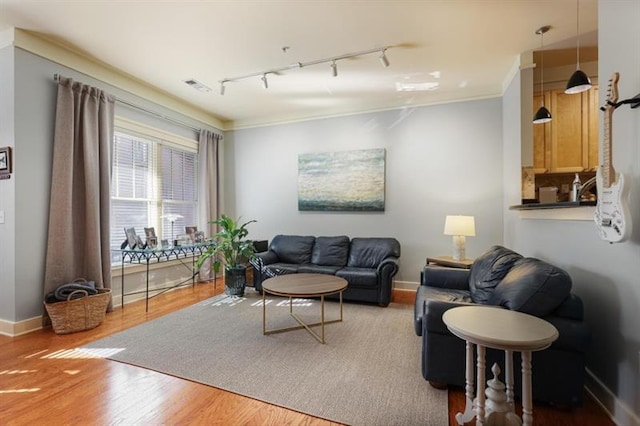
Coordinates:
x,y
64,56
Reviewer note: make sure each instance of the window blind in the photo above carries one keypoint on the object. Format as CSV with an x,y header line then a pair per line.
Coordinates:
x,y
154,184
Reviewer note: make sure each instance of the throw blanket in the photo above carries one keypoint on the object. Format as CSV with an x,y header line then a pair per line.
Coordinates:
x,y
61,293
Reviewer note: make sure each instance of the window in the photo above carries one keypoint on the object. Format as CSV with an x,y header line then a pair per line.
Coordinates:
x,y
153,184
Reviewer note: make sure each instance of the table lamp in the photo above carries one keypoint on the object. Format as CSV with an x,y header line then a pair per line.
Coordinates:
x,y
459,227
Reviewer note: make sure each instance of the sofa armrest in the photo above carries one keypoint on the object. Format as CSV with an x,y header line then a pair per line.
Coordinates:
x,y
432,316
388,267
443,277
385,271
571,308
573,335
267,257
259,261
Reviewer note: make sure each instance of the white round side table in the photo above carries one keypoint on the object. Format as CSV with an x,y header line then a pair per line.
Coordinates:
x,y
502,329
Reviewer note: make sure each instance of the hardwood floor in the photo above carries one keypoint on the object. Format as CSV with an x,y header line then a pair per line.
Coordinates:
x,y
44,382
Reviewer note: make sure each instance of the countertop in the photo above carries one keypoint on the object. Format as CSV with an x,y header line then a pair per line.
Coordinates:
x,y
558,205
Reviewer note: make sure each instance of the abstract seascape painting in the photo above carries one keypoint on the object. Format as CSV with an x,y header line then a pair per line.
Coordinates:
x,y
342,181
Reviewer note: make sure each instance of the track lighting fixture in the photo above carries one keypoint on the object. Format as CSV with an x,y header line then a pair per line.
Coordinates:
x,y
579,82
543,115
298,65
383,58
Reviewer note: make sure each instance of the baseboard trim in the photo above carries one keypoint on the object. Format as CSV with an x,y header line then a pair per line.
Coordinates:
x,y
405,285
14,329
619,412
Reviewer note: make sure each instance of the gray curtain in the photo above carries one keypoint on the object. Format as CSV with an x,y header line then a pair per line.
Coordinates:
x,y
208,204
78,240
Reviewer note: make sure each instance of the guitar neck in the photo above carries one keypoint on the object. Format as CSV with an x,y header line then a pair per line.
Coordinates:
x,y
608,173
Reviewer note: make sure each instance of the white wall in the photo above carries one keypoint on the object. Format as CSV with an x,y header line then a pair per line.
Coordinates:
x,y
440,160
606,276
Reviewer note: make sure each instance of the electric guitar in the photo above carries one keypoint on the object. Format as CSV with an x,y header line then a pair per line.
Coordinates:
x,y
612,213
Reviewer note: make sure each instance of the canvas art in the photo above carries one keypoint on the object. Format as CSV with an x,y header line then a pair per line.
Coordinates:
x,y
342,181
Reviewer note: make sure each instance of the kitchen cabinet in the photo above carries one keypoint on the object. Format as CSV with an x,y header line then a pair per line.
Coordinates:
x,y
569,143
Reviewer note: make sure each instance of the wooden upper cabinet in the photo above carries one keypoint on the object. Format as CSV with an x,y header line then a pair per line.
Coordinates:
x,y
569,143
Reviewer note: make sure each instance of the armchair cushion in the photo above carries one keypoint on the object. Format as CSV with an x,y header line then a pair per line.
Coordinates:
x,y
488,270
533,287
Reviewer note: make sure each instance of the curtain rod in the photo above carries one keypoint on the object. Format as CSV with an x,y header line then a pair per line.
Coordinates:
x,y
56,78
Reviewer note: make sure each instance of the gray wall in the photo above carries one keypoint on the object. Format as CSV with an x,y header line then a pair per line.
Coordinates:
x,y
28,103
606,276
440,160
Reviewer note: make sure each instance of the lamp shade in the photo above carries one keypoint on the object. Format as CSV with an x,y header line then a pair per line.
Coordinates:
x,y
579,82
460,225
542,116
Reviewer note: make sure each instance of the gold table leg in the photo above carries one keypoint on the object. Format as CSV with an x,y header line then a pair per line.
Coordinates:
x,y
299,320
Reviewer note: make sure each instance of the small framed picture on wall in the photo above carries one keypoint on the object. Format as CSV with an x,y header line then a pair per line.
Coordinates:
x,y
5,160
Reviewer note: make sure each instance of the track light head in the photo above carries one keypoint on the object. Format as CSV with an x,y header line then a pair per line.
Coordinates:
x,y
334,68
383,58
265,83
222,87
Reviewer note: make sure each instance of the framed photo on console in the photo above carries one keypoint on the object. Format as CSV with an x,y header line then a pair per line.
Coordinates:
x,y
131,237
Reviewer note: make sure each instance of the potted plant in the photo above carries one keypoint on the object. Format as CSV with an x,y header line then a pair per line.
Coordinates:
x,y
233,249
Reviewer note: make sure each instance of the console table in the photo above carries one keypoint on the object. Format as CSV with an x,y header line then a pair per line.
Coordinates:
x,y
159,255
505,330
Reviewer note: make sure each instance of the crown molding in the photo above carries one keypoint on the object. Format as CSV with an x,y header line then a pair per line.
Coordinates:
x,y
63,55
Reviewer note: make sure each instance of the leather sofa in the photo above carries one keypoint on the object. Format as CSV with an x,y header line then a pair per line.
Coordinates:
x,y
368,264
502,277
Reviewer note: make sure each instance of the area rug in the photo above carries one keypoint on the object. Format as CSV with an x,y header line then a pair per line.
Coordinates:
x,y
367,373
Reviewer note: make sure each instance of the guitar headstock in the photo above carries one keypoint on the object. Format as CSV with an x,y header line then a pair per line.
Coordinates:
x,y
612,92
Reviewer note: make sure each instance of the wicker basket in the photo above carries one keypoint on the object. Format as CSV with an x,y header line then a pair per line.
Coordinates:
x,y
80,314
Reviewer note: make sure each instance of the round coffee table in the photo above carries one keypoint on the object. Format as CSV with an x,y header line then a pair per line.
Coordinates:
x,y
302,285
502,329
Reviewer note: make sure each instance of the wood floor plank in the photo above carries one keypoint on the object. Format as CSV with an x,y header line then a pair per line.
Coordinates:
x,y
43,381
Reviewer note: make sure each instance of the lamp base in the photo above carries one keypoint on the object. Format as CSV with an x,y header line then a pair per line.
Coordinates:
x,y
459,247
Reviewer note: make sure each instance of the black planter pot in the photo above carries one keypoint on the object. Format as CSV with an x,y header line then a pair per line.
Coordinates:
x,y
235,280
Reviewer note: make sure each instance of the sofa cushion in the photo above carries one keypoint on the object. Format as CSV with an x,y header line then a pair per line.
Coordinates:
x,y
318,269
330,251
292,248
359,277
532,286
488,270
370,252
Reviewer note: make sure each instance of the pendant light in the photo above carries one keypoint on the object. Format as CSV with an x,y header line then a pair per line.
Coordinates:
x,y
543,115
579,81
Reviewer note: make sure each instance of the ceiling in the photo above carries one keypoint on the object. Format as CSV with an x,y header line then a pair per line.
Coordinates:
x,y
468,47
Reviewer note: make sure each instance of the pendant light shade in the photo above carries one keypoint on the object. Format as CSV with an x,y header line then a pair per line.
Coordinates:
x,y
542,116
579,82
